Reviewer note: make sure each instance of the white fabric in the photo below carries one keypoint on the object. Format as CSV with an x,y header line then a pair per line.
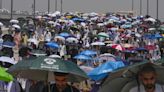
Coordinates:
x,y
158,88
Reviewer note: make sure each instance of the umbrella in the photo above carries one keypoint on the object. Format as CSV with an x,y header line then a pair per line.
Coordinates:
x,y
150,47
82,57
64,34
118,47
103,34
52,44
42,68
127,45
38,53
51,22
32,40
141,49
106,57
97,43
72,40
4,76
102,71
14,21
88,52
78,19
7,60
8,44
150,19
122,77
55,56
1,24
16,26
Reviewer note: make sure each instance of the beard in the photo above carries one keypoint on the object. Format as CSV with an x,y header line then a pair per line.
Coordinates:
x,y
149,86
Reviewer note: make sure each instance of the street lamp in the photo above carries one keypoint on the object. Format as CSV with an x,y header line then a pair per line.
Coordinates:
x,y
140,7
48,6
11,16
56,5
34,6
61,6
147,7
132,5
157,9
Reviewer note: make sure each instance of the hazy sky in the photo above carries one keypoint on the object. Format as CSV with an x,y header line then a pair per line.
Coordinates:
x,y
100,6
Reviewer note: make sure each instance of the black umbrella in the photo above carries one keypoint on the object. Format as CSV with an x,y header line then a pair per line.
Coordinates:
x,y
124,79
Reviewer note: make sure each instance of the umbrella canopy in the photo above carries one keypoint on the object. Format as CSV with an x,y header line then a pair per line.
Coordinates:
x,y
103,34
125,75
97,43
42,68
32,40
55,56
1,24
141,49
14,21
118,47
16,26
64,34
7,60
88,52
107,57
150,47
52,44
102,71
8,44
4,76
72,40
82,57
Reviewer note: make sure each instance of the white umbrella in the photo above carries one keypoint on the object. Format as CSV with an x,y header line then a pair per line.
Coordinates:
x,y
51,22
107,54
72,39
16,26
97,43
1,24
151,29
14,21
150,19
55,56
100,24
33,41
7,60
38,17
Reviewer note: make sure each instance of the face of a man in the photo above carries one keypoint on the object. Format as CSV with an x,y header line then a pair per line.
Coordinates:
x,y
148,80
61,82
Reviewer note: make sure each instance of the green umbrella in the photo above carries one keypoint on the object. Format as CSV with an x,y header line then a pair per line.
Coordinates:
x,y
42,68
4,76
103,34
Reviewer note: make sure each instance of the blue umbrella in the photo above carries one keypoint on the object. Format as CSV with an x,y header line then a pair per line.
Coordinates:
x,y
88,52
52,45
141,49
102,71
82,57
158,36
8,44
64,34
78,19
